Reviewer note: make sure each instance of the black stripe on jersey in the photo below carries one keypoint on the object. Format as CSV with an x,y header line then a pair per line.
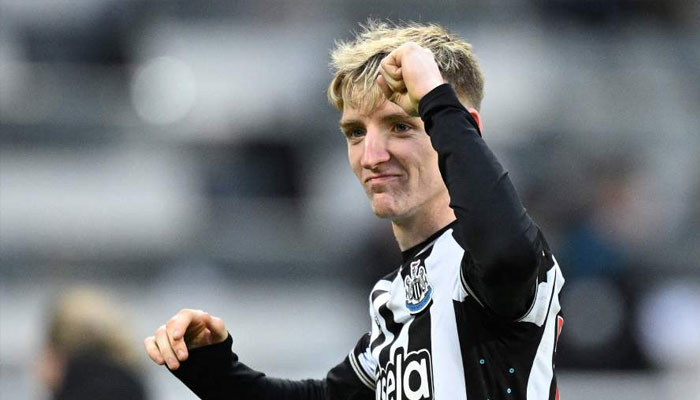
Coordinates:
x,y
381,338
496,355
392,326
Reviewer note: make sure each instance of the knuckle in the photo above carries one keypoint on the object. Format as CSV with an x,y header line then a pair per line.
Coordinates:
x,y
412,46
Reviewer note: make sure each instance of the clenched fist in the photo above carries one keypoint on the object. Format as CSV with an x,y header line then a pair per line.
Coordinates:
x,y
186,330
407,74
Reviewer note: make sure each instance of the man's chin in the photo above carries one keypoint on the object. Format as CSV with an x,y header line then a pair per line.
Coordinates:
x,y
383,214
384,210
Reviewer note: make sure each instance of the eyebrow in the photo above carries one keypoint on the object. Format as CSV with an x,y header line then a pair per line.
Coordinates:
x,y
349,122
396,116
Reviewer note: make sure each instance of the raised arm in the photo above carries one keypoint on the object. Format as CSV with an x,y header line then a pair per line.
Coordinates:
x,y
504,247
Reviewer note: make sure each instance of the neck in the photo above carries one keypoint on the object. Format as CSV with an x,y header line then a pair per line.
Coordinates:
x,y
416,228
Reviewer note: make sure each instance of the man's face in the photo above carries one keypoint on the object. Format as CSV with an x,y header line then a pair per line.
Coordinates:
x,y
392,156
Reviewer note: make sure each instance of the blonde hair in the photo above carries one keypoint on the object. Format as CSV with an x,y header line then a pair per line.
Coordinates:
x,y
84,319
356,63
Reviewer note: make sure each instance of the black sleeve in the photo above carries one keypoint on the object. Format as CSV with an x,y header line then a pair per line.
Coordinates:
x,y
504,246
349,380
214,372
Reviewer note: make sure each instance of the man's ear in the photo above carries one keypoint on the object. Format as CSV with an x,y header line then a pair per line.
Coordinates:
x,y
477,117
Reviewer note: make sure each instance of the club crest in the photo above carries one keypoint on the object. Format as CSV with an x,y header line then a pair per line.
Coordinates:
x,y
419,292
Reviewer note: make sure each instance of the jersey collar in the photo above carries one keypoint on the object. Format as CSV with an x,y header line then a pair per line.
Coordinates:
x,y
413,251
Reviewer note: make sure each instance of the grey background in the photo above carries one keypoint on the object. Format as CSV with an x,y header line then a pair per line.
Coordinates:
x,y
182,154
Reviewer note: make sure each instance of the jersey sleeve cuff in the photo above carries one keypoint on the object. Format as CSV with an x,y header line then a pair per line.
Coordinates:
x,y
359,362
440,98
212,357
359,369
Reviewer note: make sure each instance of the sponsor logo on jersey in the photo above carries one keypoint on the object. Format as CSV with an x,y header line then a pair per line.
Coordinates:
x,y
419,292
407,377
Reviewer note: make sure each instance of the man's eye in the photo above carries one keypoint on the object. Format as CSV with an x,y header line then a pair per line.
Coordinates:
x,y
355,133
401,127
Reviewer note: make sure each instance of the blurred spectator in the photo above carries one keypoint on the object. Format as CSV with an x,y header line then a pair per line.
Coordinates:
x,y
87,353
603,287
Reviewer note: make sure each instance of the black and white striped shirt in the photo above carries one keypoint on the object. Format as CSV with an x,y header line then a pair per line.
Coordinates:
x,y
451,347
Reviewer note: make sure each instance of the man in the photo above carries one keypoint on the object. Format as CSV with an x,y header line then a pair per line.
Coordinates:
x,y
473,311
88,354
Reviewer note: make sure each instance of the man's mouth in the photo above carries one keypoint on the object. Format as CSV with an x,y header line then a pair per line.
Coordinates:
x,y
383,178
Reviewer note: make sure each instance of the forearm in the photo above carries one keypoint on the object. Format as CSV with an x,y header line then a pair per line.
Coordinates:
x,y
214,372
492,223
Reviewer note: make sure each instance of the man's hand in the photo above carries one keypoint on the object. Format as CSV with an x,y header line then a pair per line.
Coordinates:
x,y
188,329
407,74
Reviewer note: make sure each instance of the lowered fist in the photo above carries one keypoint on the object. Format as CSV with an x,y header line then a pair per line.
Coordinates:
x,y
186,330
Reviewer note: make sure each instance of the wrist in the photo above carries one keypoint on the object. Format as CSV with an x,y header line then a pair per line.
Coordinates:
x,y
429,86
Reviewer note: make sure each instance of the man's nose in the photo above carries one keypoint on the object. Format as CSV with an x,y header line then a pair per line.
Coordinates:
x,y
375,150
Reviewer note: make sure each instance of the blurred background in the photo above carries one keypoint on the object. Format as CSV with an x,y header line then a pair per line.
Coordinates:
x,y
182,154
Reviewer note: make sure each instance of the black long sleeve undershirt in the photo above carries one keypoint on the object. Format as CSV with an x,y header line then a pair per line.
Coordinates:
x,y
502,241
214,372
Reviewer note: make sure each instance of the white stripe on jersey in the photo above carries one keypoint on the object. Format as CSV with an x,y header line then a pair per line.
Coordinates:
x,y
543,296
541,374
443,269
397,305
369,365
379,327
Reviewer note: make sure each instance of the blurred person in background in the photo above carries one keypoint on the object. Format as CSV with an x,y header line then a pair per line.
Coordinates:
x,y
473,311
88,355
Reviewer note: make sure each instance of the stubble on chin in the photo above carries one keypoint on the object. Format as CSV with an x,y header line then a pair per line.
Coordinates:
x,y
382,213
384,208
